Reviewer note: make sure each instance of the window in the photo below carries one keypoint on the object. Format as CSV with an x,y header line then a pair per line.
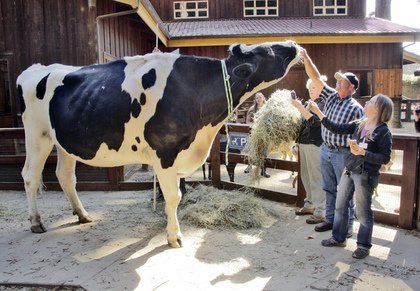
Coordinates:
x,y
330,7
191,9
260,8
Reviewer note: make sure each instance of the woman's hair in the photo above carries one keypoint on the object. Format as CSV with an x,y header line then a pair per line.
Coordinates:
x,y
254,104
385,107
309,82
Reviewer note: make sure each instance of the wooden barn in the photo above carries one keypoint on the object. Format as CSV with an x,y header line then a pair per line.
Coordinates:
x,y
336,34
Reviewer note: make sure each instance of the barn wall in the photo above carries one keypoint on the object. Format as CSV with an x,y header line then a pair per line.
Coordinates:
x,y
60,31
42,31
225,9
124,35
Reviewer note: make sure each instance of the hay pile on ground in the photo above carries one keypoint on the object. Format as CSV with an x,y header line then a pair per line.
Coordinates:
x,y
213,208
275,124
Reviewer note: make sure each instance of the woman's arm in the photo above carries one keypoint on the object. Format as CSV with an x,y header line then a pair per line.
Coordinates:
x,y
299,106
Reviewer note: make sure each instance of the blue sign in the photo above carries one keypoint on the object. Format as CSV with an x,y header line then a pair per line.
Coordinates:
x,y
238,140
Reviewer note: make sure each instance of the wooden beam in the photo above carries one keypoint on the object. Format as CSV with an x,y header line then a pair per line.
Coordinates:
x,y
151,23
132,3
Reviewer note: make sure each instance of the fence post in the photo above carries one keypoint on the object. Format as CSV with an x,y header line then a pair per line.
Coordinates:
x,y
215,162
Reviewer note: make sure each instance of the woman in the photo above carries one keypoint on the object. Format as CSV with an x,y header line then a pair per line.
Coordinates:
x,y
309,141
259,102
370,147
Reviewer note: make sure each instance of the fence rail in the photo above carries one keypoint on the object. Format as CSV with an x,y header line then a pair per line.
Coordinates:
x,y
112,179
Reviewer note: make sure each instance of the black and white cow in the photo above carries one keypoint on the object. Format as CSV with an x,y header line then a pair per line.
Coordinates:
x,y
160,109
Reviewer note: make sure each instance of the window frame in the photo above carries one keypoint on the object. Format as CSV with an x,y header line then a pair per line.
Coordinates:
x,y
335,6
254,8
186,10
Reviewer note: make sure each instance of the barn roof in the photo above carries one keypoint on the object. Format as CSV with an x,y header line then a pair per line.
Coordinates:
x,y
302,30
287,27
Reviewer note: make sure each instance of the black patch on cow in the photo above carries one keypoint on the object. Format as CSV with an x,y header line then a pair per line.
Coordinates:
x,y
90,108
41,87
135,108
137,139
149,79
195,96
190,101
21,100
134,148
272,67
142,99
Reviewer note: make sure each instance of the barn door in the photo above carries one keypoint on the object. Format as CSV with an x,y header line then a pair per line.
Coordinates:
x,y
388,82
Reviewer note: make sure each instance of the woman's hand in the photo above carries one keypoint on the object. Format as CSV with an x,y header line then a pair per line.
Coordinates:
x,y
312,106
357,150
297,103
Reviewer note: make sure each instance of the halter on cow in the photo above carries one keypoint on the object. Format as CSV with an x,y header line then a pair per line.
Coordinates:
x,y
159,109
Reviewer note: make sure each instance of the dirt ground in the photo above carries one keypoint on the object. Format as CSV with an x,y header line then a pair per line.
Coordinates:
x,y
125,249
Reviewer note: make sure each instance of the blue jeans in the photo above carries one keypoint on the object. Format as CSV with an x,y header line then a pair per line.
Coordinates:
x,y
332,167
364,187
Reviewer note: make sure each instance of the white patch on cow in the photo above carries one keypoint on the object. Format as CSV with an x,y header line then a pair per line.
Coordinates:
x,y
248,48
195,155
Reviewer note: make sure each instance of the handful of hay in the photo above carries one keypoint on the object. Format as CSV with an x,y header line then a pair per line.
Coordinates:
x,y
275,124
213,208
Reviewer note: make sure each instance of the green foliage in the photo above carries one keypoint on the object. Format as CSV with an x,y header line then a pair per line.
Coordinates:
x,y
411,80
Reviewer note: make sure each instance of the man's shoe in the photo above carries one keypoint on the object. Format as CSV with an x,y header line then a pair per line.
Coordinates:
x,y
360,253
323,226
333,243
314,219
305,211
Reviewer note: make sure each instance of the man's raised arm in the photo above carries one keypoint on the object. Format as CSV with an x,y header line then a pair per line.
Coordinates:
x,y
312,71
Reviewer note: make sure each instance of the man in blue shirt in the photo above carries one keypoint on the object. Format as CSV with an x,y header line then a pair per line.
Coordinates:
x,y
339,107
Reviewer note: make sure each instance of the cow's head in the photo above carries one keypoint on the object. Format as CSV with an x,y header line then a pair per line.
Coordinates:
x,y
264,63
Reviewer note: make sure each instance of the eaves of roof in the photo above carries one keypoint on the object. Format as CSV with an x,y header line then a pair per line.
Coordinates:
x,y
302,30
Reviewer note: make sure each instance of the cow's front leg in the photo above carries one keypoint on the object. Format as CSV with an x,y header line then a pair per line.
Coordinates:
x,y
169,184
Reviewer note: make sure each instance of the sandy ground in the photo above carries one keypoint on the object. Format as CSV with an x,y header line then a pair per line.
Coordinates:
x,y
125,249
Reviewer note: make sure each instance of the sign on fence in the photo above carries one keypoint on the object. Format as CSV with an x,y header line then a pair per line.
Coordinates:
x,y
238,140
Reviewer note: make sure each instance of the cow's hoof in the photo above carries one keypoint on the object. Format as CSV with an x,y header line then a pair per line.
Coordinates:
x,y
39,228
85,219
175,243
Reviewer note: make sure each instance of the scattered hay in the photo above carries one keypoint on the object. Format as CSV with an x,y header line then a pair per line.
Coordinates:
x,y
213,208
276,124
5,212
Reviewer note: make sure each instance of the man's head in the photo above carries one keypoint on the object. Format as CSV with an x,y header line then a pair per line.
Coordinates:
x,y
347,83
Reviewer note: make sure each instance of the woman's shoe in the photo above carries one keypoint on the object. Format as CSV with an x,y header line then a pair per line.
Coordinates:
x,y
360,253
333,243
248,168
264,174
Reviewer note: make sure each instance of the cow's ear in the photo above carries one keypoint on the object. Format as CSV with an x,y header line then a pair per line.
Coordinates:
x,y
236,50
243,71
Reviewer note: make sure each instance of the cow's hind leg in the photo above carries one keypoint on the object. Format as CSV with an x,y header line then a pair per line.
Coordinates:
x,y
38,149
66,174
169,183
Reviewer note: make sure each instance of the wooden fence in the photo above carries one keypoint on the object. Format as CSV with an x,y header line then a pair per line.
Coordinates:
x,y
12,157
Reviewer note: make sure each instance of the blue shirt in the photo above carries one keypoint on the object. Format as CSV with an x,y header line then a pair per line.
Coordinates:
x,y
338,110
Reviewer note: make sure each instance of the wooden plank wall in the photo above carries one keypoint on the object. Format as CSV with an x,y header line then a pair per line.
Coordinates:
x,y
388,82
47,32
43,31
228,9
124,35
